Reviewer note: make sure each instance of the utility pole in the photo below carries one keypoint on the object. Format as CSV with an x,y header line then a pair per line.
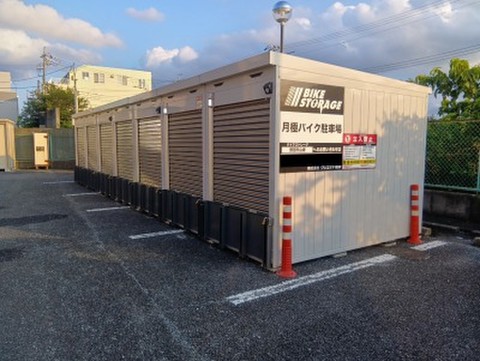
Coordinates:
x,y
75,92
47,59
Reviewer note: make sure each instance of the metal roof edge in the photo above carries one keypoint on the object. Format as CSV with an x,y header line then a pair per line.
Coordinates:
x,y
242,66
256,62
295,62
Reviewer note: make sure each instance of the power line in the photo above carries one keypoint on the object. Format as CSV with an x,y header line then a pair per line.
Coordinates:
x,y
386,24
400,17
423,60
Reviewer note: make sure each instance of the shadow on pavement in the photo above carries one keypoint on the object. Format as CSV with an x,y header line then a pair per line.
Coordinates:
x,y
22,221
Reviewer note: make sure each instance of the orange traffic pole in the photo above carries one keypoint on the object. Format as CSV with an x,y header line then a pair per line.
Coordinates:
x,y
414,215
286,270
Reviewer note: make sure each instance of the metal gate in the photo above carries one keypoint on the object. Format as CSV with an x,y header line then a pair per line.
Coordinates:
x,y
185,152
150,151
241,134
106,148
81,147
125,150
92,149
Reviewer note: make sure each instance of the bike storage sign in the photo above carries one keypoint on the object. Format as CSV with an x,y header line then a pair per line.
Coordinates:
x,y
311,133
312,136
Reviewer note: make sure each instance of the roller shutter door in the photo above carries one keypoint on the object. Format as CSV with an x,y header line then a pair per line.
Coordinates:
x,y
241,154
106,147
185,152
81,147
150,151
92,147
125,150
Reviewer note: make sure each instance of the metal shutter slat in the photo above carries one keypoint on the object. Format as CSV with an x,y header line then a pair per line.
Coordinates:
x,y
125,150
241,154
81,142
150,151
185,152
92,147
106,147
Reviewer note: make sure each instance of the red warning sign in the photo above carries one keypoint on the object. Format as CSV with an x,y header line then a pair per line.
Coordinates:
x,y
359,139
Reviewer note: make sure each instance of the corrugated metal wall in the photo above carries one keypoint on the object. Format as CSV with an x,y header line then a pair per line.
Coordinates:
x,y
106,147
81,144
241,154
7,145
150,151
125,149
92,148
185,152
337,211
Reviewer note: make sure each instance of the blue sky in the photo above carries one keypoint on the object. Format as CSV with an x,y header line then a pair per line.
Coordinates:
x,y
178,39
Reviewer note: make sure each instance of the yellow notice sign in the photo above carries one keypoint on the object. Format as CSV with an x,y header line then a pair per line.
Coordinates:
x,y
359,156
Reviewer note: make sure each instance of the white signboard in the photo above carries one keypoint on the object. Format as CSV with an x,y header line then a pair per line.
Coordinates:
x,y
311,127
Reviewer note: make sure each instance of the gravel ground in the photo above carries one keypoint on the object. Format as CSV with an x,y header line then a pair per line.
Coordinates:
x,y
74,286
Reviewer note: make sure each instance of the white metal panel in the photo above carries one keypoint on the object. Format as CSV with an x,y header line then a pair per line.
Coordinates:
x,y
123,114
148,109
3,147
40,149
342,210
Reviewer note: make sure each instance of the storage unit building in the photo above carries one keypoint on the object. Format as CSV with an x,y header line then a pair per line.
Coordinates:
x,y
7,145
216,153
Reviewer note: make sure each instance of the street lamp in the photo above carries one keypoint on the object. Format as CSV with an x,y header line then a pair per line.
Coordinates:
x,y
282,11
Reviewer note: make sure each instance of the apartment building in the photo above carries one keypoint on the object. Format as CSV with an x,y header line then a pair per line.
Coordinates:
x,y
8,98
102,85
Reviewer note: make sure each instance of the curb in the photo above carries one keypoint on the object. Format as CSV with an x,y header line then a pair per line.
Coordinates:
x,y
441,225
474,232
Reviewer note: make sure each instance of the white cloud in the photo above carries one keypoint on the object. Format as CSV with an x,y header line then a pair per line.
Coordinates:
x,y
351,34
304,23
46,21
445,12
187,54
158,56
18,48
150,14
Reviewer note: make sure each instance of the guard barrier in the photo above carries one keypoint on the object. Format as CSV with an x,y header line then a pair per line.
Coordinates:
x,y
242,231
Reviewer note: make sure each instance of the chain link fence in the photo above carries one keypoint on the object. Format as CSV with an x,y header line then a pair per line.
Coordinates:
x,y
453,155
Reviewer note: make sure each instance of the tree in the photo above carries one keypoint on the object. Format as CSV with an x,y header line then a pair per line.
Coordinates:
x,y
34,111
459,89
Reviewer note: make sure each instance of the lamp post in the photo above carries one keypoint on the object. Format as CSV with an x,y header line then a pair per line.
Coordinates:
x,y
282,11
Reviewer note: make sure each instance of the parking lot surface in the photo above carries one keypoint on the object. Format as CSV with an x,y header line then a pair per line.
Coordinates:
x,y
85,278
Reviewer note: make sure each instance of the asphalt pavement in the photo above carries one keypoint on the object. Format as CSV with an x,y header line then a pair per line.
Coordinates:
x,y
84,278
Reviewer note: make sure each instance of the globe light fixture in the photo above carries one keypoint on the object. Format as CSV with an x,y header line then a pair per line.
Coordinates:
x,y
282,12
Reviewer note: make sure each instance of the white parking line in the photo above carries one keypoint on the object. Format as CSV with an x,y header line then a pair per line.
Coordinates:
x,y
81,194
58,182
155,234
429,245
306,280
107,209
